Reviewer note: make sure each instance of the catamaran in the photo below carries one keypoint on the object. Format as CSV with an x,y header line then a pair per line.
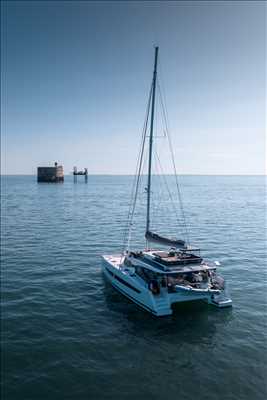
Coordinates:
x,y
157,278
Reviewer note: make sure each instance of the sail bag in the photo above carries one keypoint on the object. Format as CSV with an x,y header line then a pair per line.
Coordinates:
x,y
155,238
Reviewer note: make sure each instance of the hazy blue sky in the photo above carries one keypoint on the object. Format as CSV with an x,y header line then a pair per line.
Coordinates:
x,y
76,76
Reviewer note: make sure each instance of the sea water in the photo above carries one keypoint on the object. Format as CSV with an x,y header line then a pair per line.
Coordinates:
x,y
67,334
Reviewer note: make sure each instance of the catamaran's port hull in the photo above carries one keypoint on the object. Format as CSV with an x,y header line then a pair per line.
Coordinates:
x,y
160,304
122,282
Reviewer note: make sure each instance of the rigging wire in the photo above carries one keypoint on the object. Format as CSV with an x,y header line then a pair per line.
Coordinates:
x,y
137,178
165,115
140,167
157,204
162,180
168,189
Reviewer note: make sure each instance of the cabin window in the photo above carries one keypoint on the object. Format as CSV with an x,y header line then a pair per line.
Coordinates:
x,y
146,274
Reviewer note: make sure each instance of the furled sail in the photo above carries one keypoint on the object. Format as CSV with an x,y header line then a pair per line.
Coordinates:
x,y
153,237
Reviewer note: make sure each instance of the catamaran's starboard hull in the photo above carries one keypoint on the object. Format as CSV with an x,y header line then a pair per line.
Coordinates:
x,y
160,305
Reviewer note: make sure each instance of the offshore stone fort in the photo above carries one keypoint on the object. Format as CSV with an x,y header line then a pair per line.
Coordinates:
x,y
55,174
50,174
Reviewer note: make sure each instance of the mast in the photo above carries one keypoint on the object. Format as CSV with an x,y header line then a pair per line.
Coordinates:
x,y
151,139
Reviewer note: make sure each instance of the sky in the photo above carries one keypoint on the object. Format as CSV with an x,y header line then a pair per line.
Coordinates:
x,y
75,78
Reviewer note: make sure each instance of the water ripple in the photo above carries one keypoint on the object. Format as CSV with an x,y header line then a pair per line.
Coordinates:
x,y
66,334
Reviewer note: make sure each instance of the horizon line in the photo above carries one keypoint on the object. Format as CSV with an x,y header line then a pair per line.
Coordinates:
x,y
185,174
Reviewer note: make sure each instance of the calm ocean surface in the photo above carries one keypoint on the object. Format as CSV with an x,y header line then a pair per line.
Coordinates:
x,y
66,334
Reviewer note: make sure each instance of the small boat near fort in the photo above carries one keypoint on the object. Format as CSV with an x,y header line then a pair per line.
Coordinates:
x,y
156,278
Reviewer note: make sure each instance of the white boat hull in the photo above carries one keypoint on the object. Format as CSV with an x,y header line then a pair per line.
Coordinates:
x,y
139,294
158,304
